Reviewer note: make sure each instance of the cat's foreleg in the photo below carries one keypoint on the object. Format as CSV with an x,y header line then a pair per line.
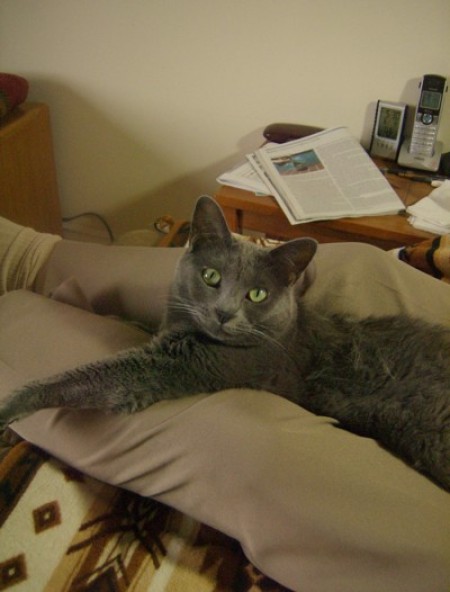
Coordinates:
x,y
125,383
110,385
169,367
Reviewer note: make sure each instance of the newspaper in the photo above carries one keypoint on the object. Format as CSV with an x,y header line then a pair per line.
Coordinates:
x,y
324,176
245,176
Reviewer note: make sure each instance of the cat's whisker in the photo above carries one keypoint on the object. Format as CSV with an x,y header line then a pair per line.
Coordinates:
x,y
273,341
196,312
180,306
263,335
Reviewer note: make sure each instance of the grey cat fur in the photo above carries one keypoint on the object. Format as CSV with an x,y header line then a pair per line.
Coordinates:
x,y
385,378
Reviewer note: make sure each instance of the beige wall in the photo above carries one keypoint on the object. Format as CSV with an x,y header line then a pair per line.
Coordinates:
x,y
151,99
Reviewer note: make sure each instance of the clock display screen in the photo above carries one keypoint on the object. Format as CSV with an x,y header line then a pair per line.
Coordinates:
x,y
389,123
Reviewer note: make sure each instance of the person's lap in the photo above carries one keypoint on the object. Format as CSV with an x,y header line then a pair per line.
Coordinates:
x,y
310,503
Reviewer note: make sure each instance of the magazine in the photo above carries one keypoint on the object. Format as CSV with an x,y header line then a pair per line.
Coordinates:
x,y
324,176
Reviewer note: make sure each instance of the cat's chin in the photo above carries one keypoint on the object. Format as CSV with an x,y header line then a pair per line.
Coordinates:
x,y
231,337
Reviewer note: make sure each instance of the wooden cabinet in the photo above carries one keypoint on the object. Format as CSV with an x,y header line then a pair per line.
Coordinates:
x,y
28,186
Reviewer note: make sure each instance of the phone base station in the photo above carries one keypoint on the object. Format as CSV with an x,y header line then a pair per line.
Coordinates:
x,y
419,161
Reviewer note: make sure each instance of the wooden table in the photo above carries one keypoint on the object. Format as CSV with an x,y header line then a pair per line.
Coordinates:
x,y
245,211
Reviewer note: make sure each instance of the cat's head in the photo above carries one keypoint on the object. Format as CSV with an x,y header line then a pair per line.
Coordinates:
x,y
233,290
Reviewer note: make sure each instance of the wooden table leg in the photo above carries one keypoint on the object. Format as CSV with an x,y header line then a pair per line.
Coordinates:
x,y
233,217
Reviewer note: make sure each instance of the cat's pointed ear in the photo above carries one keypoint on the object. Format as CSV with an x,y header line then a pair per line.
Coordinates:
x,y
208,224
291,259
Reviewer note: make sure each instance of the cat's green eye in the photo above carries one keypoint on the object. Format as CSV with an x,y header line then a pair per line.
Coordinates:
x,y
211,277
257,295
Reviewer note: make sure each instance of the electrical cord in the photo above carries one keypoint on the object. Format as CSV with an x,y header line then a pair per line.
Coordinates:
x,y
95,215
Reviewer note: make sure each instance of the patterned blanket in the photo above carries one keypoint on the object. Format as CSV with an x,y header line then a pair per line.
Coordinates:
x,y
61,530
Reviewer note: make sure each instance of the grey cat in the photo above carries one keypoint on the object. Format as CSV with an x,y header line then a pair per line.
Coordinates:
x,y
235,319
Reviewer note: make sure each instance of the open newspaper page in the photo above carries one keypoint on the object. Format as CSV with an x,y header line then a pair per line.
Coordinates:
x,y
324,176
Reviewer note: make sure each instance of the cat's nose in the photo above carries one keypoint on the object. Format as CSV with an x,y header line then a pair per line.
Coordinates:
x,y
224,315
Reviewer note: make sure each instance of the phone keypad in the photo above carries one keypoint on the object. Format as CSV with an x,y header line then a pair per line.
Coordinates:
x,y
423,136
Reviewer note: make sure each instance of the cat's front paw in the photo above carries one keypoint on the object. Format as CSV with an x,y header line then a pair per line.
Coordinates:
x,y
9,412
4,422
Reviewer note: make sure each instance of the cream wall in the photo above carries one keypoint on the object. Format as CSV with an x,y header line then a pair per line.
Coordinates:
x,y
152,99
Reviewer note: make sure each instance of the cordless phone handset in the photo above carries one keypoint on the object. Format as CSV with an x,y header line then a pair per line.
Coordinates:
x,y
423,151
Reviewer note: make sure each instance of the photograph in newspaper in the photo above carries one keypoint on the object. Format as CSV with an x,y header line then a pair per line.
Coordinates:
x,y
301,162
